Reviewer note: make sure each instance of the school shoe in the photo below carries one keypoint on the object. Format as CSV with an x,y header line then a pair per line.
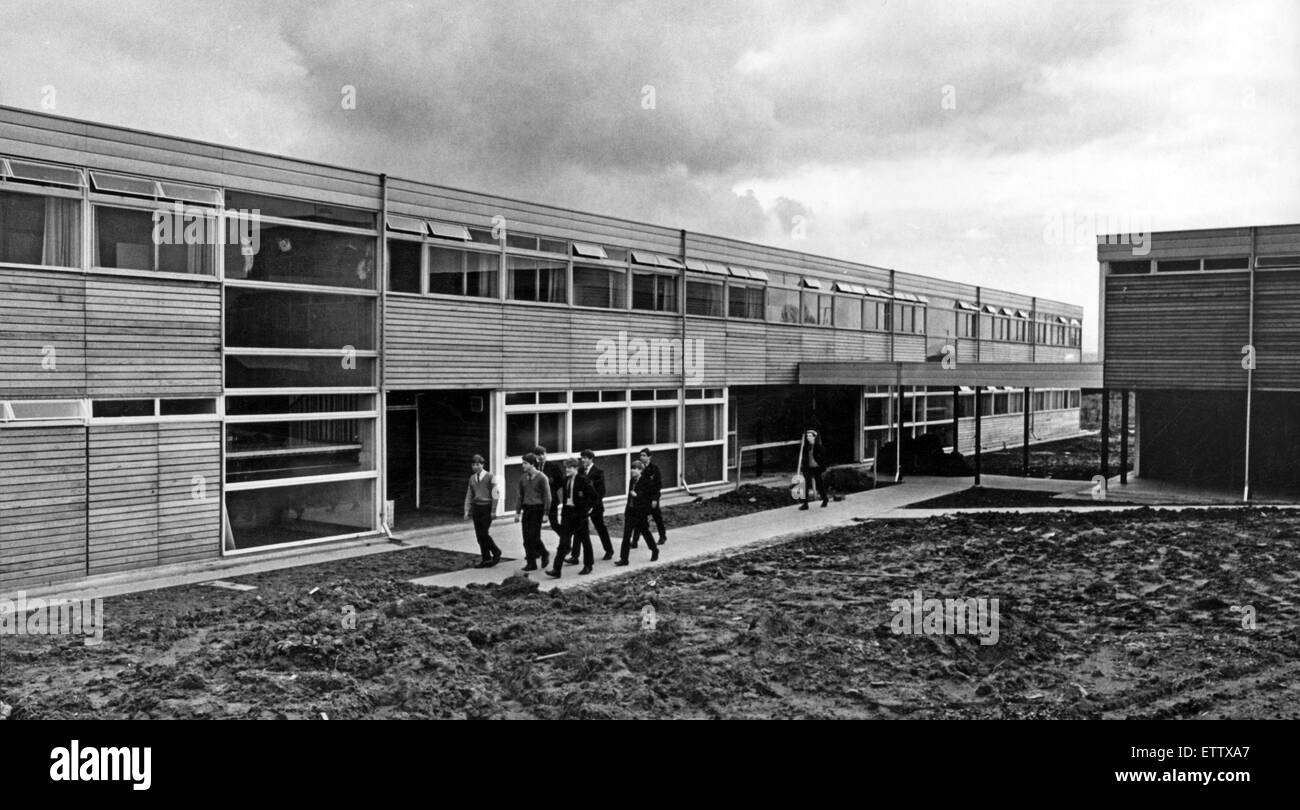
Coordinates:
x,y
663,539
585,570
546,558
484,564
571,560
552,573
609,555
824,504
803,507
654,555
621,562
496,557
532,566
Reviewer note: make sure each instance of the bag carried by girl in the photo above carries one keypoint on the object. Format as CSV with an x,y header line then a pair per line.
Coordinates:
x,y
796,480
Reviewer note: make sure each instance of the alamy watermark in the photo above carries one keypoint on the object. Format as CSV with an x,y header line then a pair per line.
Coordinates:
x,y
974,616
53,617
191,225
1082,228
621,356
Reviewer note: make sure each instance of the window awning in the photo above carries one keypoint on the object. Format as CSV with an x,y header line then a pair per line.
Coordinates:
x,y
397,222
923,299
696,265
1074,322
1020,313
758,275
969,307
4,168
811,283
1008,311
122,184
588,251
188,193
446,230
738,272
875,293
669,262
966,389
45,173
991,309
1061,319
716,269
906,296
849,287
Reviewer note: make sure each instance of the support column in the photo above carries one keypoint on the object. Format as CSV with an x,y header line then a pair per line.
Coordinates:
x,y
898,443
1105,433
956,419
978,437
1123,437
1024,448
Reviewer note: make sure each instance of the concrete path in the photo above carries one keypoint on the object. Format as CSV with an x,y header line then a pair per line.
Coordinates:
x,y
700,540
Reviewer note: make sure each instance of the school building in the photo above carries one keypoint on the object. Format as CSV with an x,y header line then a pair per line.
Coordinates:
x,y
1201,332
208,351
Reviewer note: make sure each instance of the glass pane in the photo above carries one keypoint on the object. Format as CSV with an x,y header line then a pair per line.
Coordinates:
x,y
267,450
40,230
298,320
521,433
550,432
302,403
187,407
300,209
848,312
267,517
643,291
537,280
703,298
599,287
404,266
703,464
291,255
654,426
121,408
300,372
703,423
125,239
598,430
550,397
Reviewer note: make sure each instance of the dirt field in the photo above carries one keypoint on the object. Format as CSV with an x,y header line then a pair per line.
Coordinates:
x,y
1076,459
1101,615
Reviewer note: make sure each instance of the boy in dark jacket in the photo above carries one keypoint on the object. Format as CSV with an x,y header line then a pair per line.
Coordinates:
x,y
576,500
635,514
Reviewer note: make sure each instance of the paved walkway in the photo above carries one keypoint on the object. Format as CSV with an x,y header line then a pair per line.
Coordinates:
x,y
699,540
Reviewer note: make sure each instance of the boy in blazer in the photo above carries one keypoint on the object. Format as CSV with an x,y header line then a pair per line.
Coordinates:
x,y
596,476
576,500
635,514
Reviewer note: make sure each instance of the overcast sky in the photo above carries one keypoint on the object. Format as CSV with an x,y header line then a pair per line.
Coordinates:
x,y
945,138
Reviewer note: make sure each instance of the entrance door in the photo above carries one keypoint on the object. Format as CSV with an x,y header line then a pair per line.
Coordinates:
x,y
404,457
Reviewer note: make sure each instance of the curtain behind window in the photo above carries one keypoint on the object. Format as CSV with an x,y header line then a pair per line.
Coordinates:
x,y
62,242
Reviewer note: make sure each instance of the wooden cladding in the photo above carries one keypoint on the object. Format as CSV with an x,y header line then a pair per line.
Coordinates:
x,y
1176,332
43,508
73,335
469,344
155,338
81,501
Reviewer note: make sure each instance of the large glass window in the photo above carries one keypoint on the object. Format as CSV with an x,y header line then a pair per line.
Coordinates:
x,y
35,229
463,272
745,302
603,287
598,429
703,298
404,265
654,426
703,423
848,312
875,315
655,292
703,464
288,514
126,238
345,370
818,308
280,449
783,305
290,319
540,280
303,210
291,255
524,431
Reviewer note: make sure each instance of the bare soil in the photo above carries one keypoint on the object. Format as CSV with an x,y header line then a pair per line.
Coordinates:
x,y
1102,614
1077,459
